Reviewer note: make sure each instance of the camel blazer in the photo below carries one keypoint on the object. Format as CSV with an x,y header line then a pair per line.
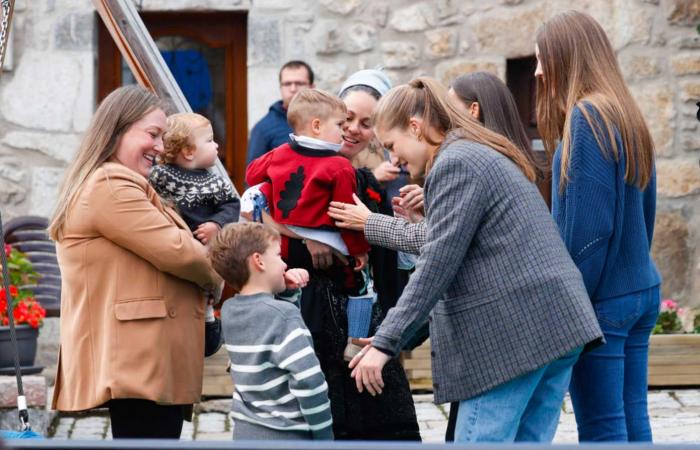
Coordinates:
x,y
132,305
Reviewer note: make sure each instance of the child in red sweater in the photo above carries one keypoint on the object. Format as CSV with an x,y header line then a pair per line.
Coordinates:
x,y
300,179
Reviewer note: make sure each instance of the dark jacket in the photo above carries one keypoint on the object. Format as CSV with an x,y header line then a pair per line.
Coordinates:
x,y
270,132
505,298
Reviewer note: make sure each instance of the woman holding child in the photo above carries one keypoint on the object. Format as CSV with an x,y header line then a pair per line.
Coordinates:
x,y
134,279
509,311
324,307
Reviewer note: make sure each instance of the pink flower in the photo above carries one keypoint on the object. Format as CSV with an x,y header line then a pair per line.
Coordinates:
x,y
668,304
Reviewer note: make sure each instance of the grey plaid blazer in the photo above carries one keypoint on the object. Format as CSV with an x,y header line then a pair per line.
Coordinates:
x,y
395,233
505,296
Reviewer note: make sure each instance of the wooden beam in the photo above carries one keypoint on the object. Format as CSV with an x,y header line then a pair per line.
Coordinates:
x,y
144,59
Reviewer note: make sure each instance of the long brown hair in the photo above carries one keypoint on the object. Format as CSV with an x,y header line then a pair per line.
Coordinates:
x,y
497,110
115,115
426,98
580,69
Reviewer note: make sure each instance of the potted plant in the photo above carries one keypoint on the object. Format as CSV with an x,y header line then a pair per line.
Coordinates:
x,y
28,314
674,348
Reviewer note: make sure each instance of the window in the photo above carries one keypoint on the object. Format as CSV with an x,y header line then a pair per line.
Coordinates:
x,y
207,54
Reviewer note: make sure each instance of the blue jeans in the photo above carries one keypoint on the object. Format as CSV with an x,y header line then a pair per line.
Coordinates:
x,y
525,409
609,384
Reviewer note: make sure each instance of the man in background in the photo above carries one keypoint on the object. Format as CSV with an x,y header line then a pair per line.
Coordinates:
x,y
273,130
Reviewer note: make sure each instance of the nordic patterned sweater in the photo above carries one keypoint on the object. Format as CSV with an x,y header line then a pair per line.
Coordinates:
x,y
201,196
277,378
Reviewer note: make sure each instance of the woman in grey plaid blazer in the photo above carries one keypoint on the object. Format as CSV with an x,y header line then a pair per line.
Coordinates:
x,y
509,313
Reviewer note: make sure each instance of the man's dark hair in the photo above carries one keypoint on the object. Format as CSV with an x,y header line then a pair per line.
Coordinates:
x,y
295,64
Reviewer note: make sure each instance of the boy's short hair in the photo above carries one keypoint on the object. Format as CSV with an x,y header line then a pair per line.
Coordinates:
x,y
177,135
309,104
231,247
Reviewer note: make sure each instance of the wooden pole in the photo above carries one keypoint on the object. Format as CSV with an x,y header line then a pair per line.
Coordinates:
x,y
140,52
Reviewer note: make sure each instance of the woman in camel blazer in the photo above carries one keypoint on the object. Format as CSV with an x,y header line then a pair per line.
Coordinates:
x,y
135,281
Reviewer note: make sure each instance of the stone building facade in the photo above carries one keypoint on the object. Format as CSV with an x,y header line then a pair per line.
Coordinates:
x,y
49,94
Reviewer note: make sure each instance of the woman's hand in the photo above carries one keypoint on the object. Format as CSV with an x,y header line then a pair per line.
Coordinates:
x,y
386,171
206,232
350,216
321,254
296,278
367,368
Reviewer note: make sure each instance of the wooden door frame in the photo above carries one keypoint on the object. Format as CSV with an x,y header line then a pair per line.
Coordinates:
x,y
220,29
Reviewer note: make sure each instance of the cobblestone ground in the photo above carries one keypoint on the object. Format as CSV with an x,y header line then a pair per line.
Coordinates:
x,y
675,417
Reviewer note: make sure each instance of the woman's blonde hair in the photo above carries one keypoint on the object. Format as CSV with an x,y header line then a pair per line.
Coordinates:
x,y
426,98
179,134
580,69
115,115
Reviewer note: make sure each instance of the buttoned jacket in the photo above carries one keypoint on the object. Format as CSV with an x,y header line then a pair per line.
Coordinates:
x,y
132,303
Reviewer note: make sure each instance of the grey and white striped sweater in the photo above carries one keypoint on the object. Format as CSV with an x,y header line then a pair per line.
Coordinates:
x,y
278,381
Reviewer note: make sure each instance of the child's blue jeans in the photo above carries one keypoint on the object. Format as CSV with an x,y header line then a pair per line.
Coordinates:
x,y
609,384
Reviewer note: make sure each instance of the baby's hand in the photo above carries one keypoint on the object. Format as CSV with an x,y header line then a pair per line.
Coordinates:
x,y
206,232
361,261
296,278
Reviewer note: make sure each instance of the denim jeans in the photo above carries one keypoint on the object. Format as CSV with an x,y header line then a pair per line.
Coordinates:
x,y
525,409
609,384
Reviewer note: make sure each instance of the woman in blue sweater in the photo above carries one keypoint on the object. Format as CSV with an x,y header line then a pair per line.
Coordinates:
x,y
604,201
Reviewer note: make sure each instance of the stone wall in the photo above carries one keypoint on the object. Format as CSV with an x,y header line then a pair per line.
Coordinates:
x,y
47,99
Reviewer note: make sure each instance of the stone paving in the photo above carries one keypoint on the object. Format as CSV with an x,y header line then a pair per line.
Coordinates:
x,y
675,418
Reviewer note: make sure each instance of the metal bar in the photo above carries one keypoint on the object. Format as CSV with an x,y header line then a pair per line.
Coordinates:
x,y
8,7
145,61
151,444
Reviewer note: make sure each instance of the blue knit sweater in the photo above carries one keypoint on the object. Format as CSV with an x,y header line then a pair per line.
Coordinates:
x,y
606,224
271,132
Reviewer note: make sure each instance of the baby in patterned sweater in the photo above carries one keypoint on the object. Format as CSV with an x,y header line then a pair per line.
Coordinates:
x,y
205,201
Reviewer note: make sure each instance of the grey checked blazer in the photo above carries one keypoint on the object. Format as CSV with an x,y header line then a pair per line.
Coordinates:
x,y
503,294
395,233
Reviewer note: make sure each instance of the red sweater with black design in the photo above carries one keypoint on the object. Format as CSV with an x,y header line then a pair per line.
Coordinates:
x,y
303,182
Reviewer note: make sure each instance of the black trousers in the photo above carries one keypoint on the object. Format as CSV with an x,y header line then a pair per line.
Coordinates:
x,y
139,419
452,422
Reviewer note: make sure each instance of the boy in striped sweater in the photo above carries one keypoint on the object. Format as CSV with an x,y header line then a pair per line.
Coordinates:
x,y
280,392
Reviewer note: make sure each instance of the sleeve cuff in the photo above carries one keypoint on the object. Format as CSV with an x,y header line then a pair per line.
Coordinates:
x,y
385,346
373,228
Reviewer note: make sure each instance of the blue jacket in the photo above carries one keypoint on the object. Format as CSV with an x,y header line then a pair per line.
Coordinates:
x,y
271,132
606,224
